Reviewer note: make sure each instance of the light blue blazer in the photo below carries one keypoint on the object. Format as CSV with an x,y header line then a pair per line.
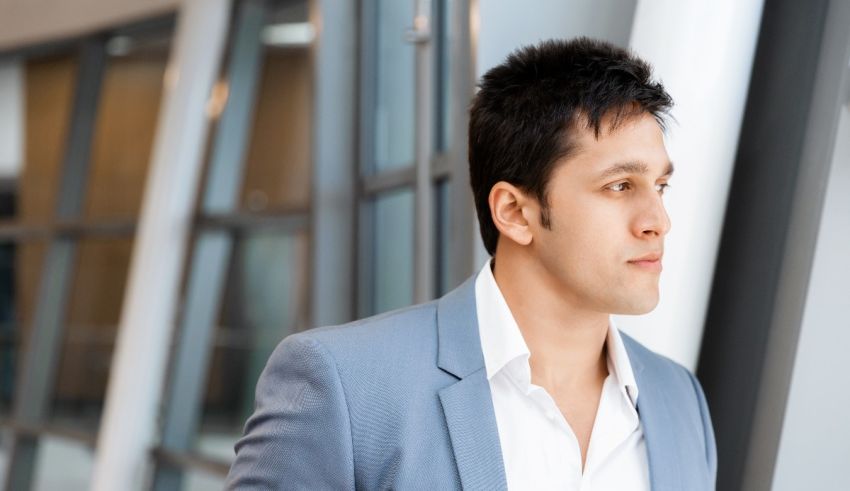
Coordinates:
x,y
402,401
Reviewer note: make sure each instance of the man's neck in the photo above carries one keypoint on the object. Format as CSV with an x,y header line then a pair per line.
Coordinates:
x,y
566,342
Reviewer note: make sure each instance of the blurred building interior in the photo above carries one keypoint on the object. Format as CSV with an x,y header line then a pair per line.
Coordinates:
x,y
185,182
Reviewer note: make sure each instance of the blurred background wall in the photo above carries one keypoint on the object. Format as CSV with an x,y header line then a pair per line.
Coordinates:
x,y
184,183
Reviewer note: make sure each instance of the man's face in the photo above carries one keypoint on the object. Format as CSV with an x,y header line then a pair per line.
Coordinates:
x,y
607,219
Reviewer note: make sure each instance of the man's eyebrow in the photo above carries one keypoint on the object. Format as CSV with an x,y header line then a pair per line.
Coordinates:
x,y
632,168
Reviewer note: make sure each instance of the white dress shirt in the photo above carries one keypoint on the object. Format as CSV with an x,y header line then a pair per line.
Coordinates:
x,y
539,448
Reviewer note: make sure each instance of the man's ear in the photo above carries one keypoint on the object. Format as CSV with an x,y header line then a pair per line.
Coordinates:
x,y
510,208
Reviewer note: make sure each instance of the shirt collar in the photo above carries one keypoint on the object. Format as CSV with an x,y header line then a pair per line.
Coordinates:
x,y
505,349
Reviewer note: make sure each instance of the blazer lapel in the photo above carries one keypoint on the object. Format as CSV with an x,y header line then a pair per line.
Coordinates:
x,y
656,420
467,404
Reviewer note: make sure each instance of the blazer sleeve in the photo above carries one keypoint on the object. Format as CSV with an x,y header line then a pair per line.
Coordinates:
x,y
299,436
708,429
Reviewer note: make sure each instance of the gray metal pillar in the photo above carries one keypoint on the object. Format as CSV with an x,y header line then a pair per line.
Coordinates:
x,y
36,381
423,240
463,226
334,201
212,248
129,428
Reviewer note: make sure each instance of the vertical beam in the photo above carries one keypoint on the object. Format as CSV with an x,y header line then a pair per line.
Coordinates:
x,y
128,428
366,118
334,200
770,233
212,248
423,243
463,227
813,162
38,373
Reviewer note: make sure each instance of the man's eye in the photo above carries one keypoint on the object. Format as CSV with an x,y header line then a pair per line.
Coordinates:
x,y
661,187
620,187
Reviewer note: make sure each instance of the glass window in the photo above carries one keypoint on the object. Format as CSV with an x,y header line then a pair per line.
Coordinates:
x,y
277,166
264,301
197,480
40,244
124,132
48,96
442,219
395,96
393,245
96,297
62,463
261,243
20,268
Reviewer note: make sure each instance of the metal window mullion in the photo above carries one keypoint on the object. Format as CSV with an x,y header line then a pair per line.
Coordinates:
x,y
334,198
212,247
365,230
423,247
38,373
463,226
392,179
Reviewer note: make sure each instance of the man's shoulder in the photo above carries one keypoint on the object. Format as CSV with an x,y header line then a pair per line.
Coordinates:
x,y
407,332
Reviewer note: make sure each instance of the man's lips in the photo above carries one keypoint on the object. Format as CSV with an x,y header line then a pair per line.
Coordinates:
x,y
649,262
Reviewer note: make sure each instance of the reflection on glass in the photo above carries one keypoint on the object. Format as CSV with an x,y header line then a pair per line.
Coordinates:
x,y
97,291
393,246
395,86
265,299
62,464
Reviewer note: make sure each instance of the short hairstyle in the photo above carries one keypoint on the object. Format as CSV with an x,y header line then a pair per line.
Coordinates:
x,y
523,118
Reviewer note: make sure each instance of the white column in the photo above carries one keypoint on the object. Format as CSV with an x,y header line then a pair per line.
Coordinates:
x,y
129,426
703,53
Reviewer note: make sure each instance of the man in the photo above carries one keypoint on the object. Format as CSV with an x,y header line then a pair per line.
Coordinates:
x,y
517,378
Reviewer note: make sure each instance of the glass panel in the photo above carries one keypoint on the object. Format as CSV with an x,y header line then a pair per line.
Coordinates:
x,y
442,218
266,298
97,292
393,246
197,480
48,95
277,171
62,464
20,270
395,86
126,121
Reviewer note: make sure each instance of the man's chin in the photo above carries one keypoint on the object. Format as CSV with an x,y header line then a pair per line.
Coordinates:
x,y
637,306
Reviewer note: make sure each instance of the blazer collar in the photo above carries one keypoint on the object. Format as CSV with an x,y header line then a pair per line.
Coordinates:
x,y
468,407
458,344
467,404
657,421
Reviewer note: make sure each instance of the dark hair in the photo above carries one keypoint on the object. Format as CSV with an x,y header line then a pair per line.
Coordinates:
x,y
522,117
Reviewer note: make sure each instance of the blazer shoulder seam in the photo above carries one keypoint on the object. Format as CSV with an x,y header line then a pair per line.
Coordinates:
x,y
332,361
